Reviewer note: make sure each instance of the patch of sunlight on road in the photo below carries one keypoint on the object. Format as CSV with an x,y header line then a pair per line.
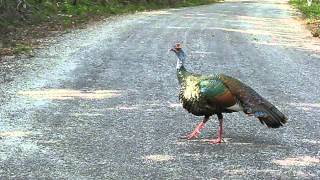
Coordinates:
x,y
306,175
310,141
263,19
66,94
86,114
123,108
15,133
241,172
145,107
306,106
244,31
313,105
224,140
195,17
285,32
293,44
160,12
181,143
203,52
18,149
298,161
235,172
175,105
260,22
177,27
159,158
195,155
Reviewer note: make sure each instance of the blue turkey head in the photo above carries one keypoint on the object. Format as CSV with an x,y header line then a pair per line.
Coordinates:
x,y
177,49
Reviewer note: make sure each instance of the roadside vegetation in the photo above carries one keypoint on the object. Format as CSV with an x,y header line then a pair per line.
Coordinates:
x,y
311,12
22,22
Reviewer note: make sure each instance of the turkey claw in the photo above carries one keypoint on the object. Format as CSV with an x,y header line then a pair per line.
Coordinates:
x,y
216,141
193,135
196,131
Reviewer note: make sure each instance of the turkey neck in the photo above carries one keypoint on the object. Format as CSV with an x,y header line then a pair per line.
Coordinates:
x,y
182,72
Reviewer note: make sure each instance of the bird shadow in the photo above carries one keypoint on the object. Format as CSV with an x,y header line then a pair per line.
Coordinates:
x,y
233,140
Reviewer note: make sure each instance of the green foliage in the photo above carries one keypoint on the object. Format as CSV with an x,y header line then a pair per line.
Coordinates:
x,y
41,10
22,48
62,14
312,11
194,2
312,14
64,11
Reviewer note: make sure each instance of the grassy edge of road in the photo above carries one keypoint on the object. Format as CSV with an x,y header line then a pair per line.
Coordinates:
x,y
20,31
311,14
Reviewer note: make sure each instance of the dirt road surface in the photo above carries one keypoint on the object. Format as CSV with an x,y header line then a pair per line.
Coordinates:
x,y
101,102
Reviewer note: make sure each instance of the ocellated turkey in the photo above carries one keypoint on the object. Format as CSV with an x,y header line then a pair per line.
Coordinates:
x,y
207,95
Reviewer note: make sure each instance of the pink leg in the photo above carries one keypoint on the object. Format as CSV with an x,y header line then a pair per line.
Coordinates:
x,y
198,129
219,139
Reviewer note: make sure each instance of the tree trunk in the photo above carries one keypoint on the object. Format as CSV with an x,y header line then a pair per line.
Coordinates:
x,y
3,3
74,2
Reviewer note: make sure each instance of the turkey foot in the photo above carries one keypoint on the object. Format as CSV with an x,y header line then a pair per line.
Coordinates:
x,y
196,131
216,141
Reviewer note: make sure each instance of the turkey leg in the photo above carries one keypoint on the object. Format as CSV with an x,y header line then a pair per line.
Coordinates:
x,y
198,129
219,139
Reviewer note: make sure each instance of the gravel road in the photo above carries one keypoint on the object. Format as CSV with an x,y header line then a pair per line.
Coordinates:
x,y
101,102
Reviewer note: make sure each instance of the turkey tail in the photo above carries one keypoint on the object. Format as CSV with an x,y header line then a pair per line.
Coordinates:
x,y
269,115
254,103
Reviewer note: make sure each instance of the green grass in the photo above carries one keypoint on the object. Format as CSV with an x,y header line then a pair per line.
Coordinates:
x,y
65,13
312,12
86,9
61,14
22,48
